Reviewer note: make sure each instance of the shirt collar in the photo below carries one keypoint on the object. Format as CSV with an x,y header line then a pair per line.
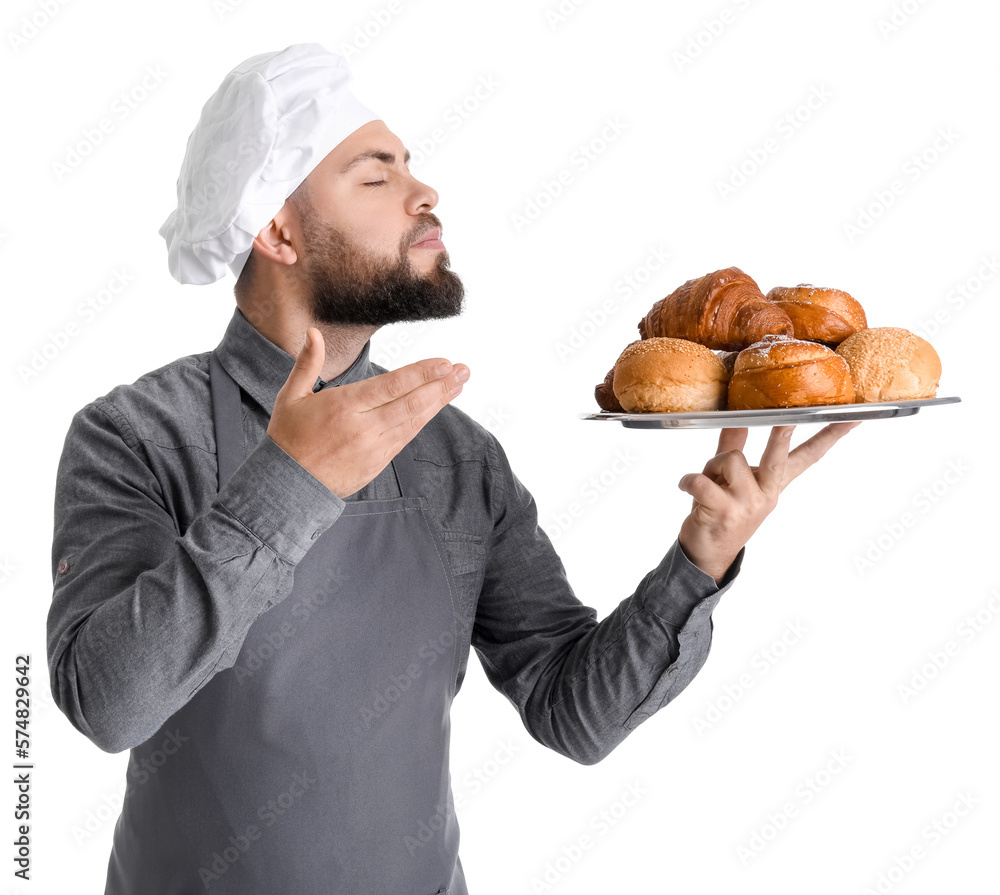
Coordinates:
x,y
261,367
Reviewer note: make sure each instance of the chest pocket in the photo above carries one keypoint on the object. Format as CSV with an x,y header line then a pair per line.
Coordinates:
x,y
466,553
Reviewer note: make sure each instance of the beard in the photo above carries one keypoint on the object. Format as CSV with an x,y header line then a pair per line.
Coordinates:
x,y
349,285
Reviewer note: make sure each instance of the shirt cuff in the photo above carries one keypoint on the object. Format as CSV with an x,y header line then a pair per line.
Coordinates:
x,y
280,501
677,586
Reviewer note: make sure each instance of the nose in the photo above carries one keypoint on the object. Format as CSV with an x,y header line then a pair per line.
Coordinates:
x,y
421,197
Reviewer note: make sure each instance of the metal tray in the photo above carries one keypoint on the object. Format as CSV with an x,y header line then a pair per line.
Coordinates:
x,y
784,416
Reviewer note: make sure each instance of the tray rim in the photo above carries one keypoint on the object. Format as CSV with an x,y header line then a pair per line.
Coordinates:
x,y
738,418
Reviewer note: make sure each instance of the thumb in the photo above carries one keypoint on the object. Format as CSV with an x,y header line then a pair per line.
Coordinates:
x,y
308,364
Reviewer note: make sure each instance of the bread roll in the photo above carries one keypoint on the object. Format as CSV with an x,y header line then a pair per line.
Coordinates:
x,y
891,364
823,315
779,371
662,375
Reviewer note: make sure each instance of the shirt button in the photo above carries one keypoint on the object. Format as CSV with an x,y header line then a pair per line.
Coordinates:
x,y
315,534
63,567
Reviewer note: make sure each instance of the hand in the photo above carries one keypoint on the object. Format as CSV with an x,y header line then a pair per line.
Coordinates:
x,y
732,499
345,436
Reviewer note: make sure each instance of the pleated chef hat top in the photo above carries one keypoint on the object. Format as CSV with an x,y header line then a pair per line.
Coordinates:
x,y
274,118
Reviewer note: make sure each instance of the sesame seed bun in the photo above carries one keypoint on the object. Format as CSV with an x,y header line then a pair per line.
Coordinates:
x,y
665,375
891,364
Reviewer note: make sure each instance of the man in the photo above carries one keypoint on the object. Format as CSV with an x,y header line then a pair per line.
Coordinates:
x,y
270,561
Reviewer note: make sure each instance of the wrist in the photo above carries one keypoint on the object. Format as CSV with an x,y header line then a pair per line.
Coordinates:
x,y
714,566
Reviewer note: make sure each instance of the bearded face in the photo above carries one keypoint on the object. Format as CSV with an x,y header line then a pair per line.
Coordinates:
x,y
351,284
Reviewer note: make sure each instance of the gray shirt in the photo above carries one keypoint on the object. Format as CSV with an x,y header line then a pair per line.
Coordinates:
x,y
158,575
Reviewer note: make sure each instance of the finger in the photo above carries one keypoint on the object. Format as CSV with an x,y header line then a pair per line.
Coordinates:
x,y
732,440
410,412
704,491
729,440
807,453
307,367
733,473
771,472
387,388
400,420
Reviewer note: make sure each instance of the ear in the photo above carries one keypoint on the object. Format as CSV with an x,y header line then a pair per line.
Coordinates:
x,y
280,240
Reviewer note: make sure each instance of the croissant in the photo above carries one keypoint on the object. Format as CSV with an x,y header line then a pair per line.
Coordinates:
x,y
724,311
604,394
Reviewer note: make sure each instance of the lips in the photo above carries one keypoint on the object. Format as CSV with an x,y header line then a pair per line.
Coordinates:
x,y
429,237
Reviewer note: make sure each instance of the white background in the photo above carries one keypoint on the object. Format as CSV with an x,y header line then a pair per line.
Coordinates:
x,y
923,487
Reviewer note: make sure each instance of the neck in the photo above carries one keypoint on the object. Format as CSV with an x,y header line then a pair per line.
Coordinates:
x,y
285,323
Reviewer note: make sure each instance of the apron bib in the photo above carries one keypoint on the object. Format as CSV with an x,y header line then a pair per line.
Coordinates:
x,y
318,762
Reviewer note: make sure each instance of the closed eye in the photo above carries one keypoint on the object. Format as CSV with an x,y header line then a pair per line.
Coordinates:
x,y
374,183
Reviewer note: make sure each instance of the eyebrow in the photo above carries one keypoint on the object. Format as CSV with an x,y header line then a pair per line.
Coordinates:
x,y
379,154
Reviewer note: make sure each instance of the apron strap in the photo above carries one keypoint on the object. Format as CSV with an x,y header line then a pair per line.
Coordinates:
x,y
226,415
406,472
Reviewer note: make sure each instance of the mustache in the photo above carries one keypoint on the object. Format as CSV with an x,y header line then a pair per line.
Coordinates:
x,y
426,223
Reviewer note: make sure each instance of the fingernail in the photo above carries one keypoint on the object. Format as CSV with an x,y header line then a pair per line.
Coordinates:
x,y
442,368
456,390
462,374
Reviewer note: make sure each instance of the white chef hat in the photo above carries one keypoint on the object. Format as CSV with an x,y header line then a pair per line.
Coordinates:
x,y
273,119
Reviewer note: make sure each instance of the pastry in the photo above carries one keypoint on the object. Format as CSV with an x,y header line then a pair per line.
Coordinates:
x,y
822,315
728,359
605,395
779,371
724,310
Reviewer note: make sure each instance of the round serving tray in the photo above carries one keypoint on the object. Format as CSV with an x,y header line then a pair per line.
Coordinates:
x,y
784,416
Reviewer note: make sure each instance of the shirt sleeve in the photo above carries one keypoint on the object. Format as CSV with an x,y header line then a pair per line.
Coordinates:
x,y
581,686
142,617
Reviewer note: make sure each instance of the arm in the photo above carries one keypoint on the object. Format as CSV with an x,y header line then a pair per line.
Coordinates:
x,y
581,686
142,618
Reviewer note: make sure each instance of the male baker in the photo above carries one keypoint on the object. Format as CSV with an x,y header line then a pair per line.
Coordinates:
x,y
270,560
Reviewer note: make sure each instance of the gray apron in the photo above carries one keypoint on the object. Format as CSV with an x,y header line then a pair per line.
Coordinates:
x,y
318,762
